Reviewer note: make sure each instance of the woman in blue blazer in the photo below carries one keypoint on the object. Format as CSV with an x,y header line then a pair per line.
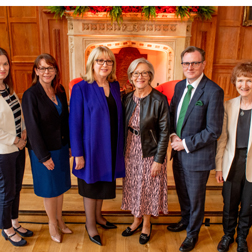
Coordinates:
x,y
46,113
12,156
96,136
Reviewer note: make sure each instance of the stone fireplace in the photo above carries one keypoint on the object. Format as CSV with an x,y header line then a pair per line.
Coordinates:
x,y
160,40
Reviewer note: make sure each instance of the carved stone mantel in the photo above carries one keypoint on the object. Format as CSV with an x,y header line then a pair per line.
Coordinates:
x,y
166,33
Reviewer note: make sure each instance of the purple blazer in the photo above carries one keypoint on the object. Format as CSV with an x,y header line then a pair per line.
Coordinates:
x,y
89,124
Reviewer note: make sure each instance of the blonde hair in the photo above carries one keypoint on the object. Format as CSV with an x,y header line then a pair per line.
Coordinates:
x,y
133,65
95,54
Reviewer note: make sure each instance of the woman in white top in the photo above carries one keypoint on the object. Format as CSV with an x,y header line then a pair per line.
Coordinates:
x,y
12,156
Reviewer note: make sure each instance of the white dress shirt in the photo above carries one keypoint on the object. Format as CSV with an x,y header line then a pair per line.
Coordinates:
x,y
195,85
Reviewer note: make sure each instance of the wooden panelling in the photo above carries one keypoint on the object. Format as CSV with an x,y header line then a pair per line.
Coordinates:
x,y
22,77
23,12
203,36
55,42
4,34
227,44
24,41
245,43
222,76
230,15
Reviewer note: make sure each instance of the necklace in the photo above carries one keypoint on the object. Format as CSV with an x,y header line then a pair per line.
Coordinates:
x,y
53,98
242,113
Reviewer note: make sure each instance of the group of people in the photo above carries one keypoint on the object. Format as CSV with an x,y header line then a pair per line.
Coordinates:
x,y
128,139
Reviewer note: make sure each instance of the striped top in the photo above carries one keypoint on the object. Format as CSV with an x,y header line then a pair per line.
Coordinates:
x,y
15,107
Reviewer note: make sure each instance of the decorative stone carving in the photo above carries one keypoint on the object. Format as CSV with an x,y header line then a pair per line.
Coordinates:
x,y
71,45
85,27
149,28
93,27
173,27
70,25
166,27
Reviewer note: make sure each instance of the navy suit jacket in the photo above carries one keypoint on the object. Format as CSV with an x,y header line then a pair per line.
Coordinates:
x,y
89,123
46,129
202,124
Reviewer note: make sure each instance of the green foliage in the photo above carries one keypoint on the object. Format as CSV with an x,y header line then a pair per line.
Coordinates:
x,y
80,10
149,12
58,10
205,12
202,12
116,14
182,11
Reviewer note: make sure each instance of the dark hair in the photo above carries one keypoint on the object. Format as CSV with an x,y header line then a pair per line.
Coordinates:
x,y
241,69
190,49
8,80
52,62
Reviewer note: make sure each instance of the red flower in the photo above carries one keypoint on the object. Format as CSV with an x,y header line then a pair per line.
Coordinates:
x,y
68,8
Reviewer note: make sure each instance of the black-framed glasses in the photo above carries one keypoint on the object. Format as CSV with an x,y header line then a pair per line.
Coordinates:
x,y
43,69
195,64
102,61
143,74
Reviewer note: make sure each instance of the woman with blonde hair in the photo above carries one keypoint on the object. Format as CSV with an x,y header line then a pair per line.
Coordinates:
x,y
46,113
96,136
12,156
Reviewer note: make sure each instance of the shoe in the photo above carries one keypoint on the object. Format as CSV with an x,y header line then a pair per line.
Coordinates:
x,y
96,239
177,227
129,232
241,244
57,236
188,244
108,225
65,229
20,243
144,238
223,245
28,232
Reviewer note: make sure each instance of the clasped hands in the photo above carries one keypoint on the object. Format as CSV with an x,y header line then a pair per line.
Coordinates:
x,y
21,142
176,143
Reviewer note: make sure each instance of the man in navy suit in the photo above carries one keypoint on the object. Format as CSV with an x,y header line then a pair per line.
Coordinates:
x,y
193,139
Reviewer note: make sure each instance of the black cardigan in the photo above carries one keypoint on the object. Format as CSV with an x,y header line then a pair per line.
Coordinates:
x,y
46,129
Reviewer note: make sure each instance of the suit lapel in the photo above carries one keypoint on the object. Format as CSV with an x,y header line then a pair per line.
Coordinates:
x,y
180,93
198,93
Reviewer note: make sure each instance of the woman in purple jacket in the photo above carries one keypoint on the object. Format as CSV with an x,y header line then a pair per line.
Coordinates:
x,y
96,136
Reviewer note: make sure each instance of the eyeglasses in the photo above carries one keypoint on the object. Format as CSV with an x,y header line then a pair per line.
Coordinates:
x,y
102,61
143,74
43,69
195,64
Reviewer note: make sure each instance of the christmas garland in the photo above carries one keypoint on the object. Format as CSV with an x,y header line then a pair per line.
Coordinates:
x,y
116,12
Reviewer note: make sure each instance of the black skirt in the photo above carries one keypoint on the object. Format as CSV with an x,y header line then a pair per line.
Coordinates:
x,y
104,189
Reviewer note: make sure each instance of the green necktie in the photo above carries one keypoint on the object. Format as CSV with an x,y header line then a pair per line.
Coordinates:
x,y
183,110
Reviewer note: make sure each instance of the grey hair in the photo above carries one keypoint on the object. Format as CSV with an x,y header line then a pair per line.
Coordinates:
x,y
133,65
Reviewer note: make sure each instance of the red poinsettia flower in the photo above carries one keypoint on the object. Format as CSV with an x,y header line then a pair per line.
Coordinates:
x,y
68,8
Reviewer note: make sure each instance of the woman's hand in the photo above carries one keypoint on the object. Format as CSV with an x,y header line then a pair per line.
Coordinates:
x,y
155,169
24,134
49,164
218,176
80,162
20,143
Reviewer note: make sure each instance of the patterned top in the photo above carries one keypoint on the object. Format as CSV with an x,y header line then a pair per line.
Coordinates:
x,y
15,107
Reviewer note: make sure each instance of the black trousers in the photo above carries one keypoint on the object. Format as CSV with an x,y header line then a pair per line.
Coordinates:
x,y
237,191
11,177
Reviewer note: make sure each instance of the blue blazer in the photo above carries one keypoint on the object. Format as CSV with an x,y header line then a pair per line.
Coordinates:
x,y
89,123
202,124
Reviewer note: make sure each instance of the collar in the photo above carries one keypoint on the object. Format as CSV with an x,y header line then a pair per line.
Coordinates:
x,y
195,83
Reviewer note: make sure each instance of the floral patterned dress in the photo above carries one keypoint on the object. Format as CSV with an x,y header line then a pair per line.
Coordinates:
x,y
142,193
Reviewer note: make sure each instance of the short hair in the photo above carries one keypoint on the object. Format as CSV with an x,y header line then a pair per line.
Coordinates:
x,y
241,69
95,54
190,49
8,80
133,65
49,59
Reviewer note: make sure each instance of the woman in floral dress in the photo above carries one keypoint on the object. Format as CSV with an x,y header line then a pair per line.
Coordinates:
x,y
147,134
